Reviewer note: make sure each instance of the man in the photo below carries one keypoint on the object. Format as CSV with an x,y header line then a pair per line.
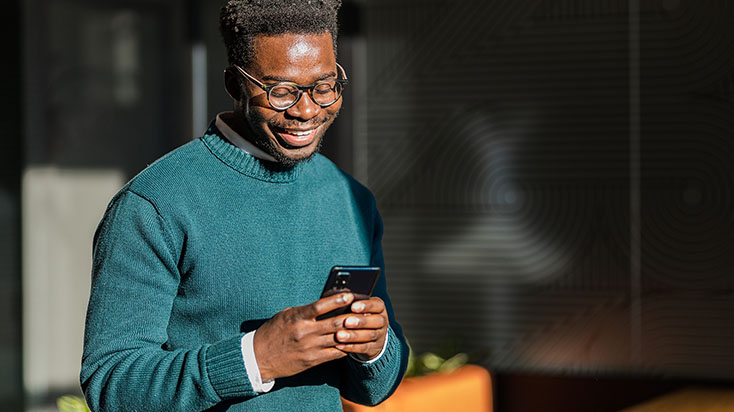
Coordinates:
x,y
209,265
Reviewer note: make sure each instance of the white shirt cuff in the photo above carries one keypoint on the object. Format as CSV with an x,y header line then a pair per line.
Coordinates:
x,y
253,371
360,358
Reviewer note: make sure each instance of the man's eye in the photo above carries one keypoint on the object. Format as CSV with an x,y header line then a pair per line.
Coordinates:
x,y
280,91
324,88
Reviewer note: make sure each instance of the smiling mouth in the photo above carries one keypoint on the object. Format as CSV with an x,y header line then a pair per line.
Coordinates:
x,y
295,138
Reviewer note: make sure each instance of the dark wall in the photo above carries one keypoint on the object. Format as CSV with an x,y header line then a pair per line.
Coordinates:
x,y
112,90
11,155
555,178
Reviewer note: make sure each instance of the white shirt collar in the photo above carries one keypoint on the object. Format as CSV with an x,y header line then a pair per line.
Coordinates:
x,y
238,140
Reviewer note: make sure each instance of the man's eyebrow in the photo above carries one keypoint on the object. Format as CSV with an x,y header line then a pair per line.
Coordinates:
x,y
275,78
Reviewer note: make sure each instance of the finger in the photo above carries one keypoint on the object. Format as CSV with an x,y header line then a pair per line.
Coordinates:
x,y
326,305
333,353
365,322
319,356
325,341
364,348
331,325
371,305
359,336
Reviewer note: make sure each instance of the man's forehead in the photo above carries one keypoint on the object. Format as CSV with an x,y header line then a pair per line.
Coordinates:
x,y
300,48
293,50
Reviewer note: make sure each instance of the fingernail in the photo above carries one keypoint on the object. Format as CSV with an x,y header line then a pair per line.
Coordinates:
x,y
344,298
342,335
358,307
351,322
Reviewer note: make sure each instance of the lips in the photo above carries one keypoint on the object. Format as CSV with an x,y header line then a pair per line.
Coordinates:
x,y
295,137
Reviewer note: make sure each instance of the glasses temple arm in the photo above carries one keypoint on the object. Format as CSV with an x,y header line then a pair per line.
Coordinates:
x,y
343,72
250,78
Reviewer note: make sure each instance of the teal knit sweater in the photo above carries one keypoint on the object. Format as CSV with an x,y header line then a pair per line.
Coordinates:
x,y
203,246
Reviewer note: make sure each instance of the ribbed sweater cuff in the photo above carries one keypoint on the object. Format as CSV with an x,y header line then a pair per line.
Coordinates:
x,y
226,369
370,370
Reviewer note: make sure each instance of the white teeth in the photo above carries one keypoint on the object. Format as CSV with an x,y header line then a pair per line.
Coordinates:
x,y
300,133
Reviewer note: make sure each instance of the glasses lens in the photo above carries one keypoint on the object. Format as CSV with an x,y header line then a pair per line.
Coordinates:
x,y
326,92
283,95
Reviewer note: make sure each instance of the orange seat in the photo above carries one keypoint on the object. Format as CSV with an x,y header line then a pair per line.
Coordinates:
x,y
467,389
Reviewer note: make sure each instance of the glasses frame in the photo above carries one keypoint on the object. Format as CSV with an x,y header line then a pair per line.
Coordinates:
x,y
300,87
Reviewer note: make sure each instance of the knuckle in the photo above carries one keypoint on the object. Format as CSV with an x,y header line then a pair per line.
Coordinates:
x,y
291,315
315,307
336,354
308,358
298,335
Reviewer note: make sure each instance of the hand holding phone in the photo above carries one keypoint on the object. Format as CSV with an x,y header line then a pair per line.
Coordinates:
x,y
291,342
362,334
359,280
365,333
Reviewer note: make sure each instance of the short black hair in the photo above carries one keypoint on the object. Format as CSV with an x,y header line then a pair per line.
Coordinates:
x,y
241,20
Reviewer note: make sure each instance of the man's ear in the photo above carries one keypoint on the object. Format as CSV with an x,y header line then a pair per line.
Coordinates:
x,y
232,85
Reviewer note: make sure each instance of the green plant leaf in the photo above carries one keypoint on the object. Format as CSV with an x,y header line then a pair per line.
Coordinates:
x,y
454,362
431,361
70,403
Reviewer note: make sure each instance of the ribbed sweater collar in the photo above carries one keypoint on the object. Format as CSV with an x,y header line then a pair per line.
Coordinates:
x,y
247,164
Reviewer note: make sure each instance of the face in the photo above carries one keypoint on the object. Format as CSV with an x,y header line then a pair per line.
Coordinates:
x,y
295,134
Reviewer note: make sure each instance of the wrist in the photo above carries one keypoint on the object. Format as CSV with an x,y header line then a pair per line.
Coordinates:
x,y
259,385
261,355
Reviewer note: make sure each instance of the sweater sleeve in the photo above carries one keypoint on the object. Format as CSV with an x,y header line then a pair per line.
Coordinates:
x,y
125,365
372,383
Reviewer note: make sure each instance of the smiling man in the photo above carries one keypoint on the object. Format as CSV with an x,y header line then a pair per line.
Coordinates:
x,y
209,264
288,127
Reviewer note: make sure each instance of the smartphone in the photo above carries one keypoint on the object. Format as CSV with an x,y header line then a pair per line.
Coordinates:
x,y
360,280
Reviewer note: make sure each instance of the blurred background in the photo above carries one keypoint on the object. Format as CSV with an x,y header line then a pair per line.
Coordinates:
x,y
556,178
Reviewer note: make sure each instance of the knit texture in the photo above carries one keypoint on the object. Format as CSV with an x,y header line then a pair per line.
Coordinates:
x,y
205,245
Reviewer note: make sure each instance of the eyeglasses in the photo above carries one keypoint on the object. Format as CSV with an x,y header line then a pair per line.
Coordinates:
x,y
284,95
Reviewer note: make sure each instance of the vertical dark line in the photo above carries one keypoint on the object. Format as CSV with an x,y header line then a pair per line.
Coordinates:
x,y
194,29
22,159
635,214
11,172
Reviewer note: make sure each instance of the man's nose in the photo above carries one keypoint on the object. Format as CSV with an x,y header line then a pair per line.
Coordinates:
x,y
306,109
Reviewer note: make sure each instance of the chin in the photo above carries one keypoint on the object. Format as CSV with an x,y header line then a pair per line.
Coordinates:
x,y
290,157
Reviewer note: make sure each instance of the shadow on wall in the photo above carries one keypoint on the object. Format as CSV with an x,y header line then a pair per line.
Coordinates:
x,y
500,151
